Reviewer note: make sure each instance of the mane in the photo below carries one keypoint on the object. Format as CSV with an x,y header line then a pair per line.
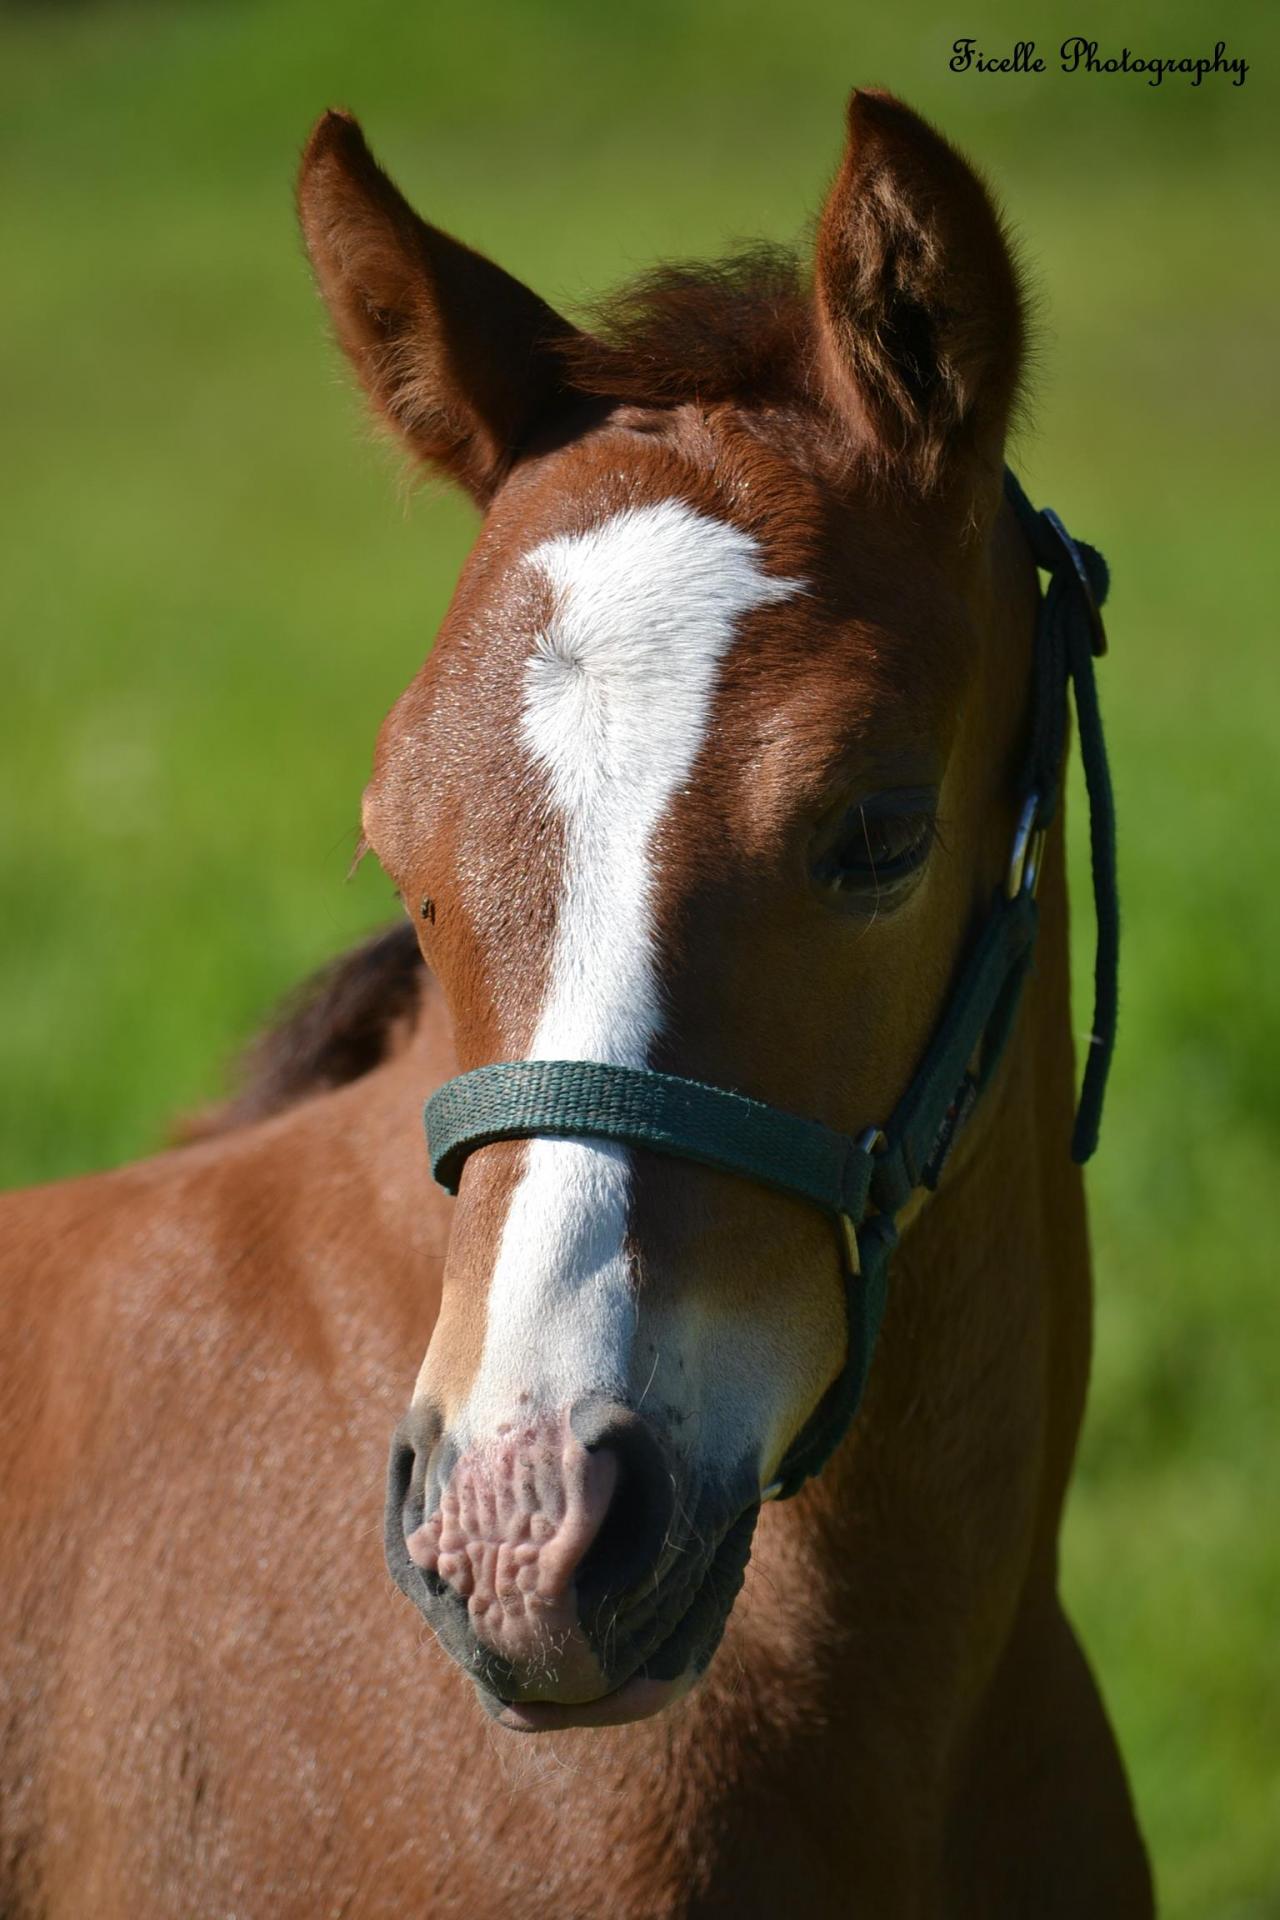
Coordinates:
x,y
736,328
336,1027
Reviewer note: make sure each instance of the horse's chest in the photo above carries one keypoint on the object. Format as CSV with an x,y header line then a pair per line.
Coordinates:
x,y
297,1779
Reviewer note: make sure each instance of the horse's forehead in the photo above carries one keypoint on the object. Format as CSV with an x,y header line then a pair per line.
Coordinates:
x,y
612,502
627,603
633,533
652,597
647,585
609,589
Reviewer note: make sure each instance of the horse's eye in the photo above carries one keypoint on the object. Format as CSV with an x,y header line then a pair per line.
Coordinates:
x,y
877,845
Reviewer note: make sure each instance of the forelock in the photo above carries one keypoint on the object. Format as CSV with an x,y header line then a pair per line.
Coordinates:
x,y
736,329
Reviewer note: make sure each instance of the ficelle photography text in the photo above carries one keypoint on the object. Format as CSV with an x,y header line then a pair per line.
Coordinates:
x,y
1080,55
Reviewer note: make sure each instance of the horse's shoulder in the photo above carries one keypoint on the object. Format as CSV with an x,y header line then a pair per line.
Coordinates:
x,y
81,1249
111,1279
214,1282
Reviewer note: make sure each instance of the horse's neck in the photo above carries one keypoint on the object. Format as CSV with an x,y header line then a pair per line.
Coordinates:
x,y
891,1588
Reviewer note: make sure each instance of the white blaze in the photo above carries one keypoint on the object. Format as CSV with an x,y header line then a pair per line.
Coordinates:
x,y
617,696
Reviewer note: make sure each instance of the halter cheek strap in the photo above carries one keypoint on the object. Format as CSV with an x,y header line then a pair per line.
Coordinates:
x,y
862,1182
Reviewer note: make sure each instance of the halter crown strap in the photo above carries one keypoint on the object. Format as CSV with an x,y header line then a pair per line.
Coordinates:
x,y
863,1181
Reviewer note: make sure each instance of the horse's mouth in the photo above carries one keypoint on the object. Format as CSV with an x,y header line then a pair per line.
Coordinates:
x,y
667,1673
636,1699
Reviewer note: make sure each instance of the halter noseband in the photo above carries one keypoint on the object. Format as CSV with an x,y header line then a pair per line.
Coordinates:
x,y
863,1182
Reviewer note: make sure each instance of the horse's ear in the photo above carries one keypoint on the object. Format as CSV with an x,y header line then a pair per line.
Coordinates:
x,y
920,317
452,351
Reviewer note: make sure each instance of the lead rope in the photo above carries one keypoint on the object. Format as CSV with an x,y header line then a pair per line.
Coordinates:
x,y
1106,900
1075,636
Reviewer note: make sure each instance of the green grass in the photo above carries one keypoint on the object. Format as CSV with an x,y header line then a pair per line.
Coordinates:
x,y
212,585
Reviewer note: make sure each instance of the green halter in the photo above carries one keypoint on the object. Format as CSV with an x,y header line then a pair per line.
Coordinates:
x,y
864,1182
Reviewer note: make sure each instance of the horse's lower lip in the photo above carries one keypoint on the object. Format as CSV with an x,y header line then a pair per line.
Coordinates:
x,y
635,1699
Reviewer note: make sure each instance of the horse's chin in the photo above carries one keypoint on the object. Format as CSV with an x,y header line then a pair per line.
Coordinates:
x,y
636,1699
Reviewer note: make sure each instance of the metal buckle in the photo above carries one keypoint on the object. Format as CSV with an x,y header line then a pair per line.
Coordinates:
x,y
871,1140
1082,576
1023,875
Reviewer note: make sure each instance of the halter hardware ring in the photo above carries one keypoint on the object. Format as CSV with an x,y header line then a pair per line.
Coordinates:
x,y
1023,875
871,1141
852,1252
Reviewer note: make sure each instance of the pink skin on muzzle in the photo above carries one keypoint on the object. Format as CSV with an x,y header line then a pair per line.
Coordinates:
x,y
515,1519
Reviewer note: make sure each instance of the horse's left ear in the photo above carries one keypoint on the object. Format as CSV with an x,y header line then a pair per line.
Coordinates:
x,y
919,312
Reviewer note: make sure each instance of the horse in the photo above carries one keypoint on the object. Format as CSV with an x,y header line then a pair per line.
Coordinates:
x,y
700,809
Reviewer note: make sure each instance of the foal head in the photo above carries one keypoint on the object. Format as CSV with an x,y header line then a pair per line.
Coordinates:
x,y
709,770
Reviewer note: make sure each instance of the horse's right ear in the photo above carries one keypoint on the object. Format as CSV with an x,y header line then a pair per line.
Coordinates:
x,y
919,310
452,351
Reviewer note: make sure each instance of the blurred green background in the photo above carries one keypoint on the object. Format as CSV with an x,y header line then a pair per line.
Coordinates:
x,y
213,582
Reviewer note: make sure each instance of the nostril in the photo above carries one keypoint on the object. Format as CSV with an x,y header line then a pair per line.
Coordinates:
x,y
635,1527
399,1481
413,1470
420,1430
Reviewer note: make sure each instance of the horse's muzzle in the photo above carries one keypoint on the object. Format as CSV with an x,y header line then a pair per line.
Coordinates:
x,y
554,1563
